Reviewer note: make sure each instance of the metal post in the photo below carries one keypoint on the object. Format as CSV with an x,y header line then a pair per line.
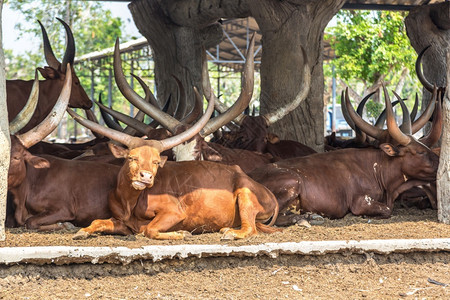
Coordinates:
x,y
333,97
132,84
110,87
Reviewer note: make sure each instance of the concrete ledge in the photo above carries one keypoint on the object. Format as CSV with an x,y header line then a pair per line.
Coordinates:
x,y
123,255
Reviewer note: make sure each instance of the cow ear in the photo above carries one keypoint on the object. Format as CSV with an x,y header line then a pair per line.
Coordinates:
x,y
211,155
118,151
37,162
163,161
48,72
389,149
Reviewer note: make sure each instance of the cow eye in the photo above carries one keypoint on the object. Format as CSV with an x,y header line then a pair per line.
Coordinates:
x,y
132,158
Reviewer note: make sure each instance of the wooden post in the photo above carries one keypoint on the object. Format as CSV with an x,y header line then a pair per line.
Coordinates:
x,y
443,176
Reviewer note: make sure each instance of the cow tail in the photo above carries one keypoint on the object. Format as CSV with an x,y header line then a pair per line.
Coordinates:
x,y
269,227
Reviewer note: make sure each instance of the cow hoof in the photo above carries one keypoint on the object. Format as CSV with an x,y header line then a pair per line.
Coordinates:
x,y
186,234
315,219
228,235
304,223
68,226
80,235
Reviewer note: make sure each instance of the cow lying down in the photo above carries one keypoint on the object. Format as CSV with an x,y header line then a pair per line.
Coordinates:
x,y
170,200
361,181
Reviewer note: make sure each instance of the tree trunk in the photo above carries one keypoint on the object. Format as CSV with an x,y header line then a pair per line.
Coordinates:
x,y
5,142
176,31
443,176
285,26
429,25
177,50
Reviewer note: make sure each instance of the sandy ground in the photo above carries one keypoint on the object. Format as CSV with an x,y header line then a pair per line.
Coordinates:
x,y
395,276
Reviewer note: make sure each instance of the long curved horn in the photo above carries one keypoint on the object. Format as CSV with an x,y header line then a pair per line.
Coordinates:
x,y
345,114
426,115
406,123
91,116
141,127
393,129
123,138
180,111
39,132
24,116
133,142
247,82
106,117
164,119
382,117
69,55
436,126
359,122
415,108
48,52
273,117
165,109
195,112
419,72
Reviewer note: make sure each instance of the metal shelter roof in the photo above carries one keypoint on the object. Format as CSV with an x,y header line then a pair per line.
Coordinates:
x,y
237,32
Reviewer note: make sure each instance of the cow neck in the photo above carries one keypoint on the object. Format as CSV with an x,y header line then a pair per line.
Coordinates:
x,y
20,194
391,175
125,195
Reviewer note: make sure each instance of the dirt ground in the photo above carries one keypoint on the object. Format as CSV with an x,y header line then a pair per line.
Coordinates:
x,y
371,276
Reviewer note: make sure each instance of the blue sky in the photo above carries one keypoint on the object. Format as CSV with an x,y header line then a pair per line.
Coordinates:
x,y
10,18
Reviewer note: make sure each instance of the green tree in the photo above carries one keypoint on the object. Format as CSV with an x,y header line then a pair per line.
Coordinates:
x,y
93,29
373,48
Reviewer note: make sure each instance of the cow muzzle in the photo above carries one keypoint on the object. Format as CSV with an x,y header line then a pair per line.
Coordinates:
x,y
145,180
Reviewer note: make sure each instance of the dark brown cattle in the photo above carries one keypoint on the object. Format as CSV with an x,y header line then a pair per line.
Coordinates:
x,y
253,132
360,181
165,201
197,148
18,90
47,192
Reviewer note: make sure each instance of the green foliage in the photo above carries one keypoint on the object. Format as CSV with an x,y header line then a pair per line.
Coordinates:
x,y
370,45
373,109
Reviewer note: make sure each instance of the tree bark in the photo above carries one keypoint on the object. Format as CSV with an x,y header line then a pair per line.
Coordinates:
x,y
285,26
177,49
176,31
443,176
429,25
5,142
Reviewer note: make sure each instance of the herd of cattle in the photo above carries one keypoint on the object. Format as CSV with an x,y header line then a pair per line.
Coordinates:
x,y
170,178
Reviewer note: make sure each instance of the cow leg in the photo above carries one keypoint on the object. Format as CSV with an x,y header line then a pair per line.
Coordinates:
x,y
108,226
163,222
247,211
366,206
49,220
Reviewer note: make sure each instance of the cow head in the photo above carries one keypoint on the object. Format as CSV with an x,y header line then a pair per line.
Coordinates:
x,y
142,164
418,161
143,156
20,156
56,71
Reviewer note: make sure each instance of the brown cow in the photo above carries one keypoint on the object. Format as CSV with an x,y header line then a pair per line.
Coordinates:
x,y
47,191
360,181
197,148
253,133
181,197
18,90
